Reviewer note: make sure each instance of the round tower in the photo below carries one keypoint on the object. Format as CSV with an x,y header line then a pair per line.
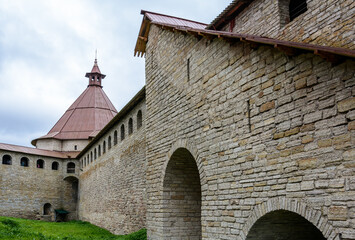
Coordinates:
x,y
90,112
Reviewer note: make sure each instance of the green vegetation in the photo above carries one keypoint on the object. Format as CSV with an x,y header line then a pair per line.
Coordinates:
x,y
23,229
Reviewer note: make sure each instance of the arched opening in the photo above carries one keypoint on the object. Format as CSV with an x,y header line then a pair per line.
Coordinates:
x,y
115,138
139,119
122,132
284,225
109,143
24,162
71,195
130,126
47,209
40,163
99,150
91,156
71,167
55,166
95,154
104,147
7,160
182,197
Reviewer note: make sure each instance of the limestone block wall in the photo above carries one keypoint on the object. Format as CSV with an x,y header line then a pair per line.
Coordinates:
x,y
326,22
61,145
49,144
268,132
25,190
112,181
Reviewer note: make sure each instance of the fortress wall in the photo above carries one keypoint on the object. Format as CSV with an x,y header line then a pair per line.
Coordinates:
x,y
326,22
267,132
25,190
112,187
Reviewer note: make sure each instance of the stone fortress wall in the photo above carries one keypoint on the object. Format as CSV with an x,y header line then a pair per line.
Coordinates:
x,y
235,138
243,131
112,180
326,22
24,190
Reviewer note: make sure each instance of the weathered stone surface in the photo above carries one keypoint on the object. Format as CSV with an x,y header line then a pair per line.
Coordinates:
x,y
338,213
351,125
290,143
346,105
112,185
25,190
267,106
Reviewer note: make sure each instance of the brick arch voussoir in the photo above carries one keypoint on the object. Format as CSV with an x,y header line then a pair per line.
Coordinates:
x,y
184,143
293,205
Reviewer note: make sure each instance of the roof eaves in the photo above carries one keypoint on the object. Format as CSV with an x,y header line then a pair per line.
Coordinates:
x,y
36,151
282,45
129,106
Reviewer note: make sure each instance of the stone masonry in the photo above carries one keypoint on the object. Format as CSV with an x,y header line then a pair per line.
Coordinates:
x,y
25,190
266,131
326,22
229,139
112,184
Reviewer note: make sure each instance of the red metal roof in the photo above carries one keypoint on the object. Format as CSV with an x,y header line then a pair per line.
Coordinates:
x,y
166,19
91,111
35,151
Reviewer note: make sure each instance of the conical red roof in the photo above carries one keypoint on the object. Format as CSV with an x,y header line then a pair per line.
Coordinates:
x,y
90,112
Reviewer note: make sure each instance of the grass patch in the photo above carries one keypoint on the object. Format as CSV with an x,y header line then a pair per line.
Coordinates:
x,y
23,229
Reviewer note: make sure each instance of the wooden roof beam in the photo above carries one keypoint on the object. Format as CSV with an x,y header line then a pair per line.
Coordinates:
x,y
228,39
287,50
332,58
208,36
253,44
195,34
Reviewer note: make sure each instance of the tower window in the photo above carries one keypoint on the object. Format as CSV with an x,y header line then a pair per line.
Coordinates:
x,y
122,132
99,151
139,119
7,160
115,138
75,147
24,162
104,147
55,166
296,8
71,167
130,126
109,143
40,163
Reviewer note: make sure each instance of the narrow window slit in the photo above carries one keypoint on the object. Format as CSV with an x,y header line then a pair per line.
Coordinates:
x,y
188,69
248,114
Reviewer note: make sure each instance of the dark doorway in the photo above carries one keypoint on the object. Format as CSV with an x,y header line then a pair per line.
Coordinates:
x,y
284,225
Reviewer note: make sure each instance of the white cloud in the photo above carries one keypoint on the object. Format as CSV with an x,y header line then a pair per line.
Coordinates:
x,y
47,46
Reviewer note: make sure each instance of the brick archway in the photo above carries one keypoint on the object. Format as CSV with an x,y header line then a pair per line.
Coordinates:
x,y
292,206
183,143
181,196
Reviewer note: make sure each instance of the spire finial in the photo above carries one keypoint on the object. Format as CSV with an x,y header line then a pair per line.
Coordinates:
x,y
96,56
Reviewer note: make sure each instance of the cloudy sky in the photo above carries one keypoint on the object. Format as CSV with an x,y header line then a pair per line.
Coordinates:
x,y
47,46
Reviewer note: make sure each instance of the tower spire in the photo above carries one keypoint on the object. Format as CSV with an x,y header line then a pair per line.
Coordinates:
x,y
95,76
